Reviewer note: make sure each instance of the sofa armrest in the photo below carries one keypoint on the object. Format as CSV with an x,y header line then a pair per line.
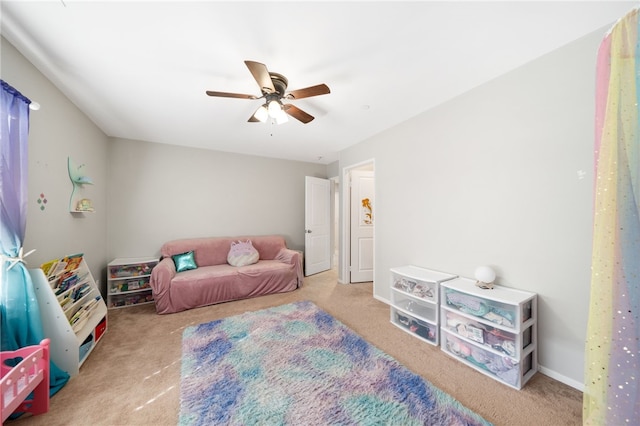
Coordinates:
x,y
161,277
292,257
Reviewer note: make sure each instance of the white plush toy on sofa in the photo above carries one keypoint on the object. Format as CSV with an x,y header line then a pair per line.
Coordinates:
x,y
242,253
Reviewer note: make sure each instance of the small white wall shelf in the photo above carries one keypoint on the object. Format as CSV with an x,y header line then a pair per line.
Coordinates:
x,y
77,202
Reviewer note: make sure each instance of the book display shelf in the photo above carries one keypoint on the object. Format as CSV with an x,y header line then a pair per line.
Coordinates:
x,y
74,315
128,281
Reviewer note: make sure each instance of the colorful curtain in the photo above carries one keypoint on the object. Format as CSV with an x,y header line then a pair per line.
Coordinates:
x,y
612,365
20,322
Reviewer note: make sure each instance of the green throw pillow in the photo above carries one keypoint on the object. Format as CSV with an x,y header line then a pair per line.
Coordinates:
x,y
184,261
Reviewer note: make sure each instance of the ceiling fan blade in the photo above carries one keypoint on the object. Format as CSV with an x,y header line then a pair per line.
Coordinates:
x,y
297,113
230,95
261,74
307,92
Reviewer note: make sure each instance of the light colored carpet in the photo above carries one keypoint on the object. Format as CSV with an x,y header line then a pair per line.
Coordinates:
x,y
133,375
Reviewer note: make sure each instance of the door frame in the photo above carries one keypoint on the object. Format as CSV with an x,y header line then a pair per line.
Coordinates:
x,y
335,221
344,275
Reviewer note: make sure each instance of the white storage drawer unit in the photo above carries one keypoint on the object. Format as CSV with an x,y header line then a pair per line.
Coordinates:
x,y
414,301
499,339
492,330
422,309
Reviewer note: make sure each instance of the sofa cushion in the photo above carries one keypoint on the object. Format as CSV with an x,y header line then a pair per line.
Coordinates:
x,y
184,261
242,253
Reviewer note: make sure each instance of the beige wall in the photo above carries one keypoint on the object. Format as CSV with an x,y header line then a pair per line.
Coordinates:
x,y
500,176
161,192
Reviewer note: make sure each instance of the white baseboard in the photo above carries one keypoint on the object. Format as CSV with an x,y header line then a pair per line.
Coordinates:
x,y
563,379
375,296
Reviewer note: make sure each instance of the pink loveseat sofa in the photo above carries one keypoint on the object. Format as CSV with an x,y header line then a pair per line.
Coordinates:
x,y
278,270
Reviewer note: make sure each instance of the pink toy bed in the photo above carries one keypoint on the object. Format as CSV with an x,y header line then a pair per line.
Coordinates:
x,y
31,374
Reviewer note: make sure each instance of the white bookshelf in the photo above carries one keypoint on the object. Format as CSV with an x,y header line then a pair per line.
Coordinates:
x,y
128,281
71,344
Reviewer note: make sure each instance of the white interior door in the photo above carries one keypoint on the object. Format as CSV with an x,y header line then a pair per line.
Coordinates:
x,y
317,224
362,217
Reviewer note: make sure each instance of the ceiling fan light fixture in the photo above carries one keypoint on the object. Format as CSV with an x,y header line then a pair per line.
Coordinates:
x,y
274,108
274,88
262,114
276,111
281,117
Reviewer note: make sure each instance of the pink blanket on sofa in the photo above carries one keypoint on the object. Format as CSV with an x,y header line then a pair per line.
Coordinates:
x,y
278,270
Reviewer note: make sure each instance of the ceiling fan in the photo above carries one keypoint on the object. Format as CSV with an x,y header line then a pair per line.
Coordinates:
x,y
273,87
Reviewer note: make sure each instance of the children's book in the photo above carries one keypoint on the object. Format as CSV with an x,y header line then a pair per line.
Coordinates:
x,y
48,266
73,261
58,269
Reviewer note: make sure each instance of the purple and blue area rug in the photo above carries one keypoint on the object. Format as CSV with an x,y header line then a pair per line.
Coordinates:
x,y
297,365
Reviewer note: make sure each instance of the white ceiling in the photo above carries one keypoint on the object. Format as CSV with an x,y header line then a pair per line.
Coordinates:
x,y
139,70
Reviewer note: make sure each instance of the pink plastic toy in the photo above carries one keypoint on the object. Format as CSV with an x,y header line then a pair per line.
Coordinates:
x,y
31,374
